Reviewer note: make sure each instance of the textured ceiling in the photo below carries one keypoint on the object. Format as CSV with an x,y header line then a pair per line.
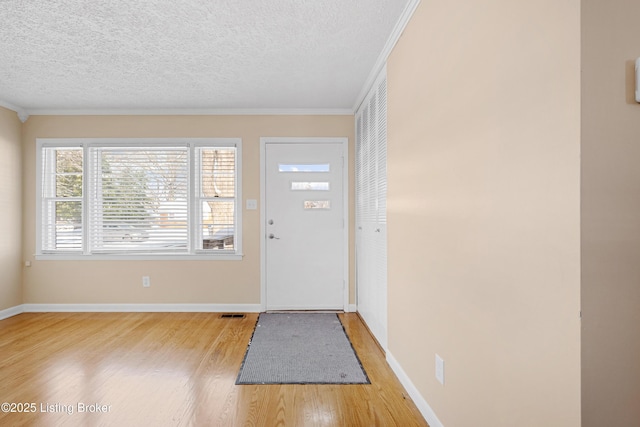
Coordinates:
x,y
190,54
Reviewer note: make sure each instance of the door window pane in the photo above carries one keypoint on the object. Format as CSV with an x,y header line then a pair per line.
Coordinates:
x,y
317,204
321,167
309,186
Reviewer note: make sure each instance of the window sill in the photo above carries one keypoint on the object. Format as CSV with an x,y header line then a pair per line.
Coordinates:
x,y
139,257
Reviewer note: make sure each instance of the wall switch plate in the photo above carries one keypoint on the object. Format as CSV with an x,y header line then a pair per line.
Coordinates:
x,y
440,369
146,282
252,204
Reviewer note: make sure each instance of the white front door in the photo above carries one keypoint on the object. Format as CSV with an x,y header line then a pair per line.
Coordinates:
x,y
304,226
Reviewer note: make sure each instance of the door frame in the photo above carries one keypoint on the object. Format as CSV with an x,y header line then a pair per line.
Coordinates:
x,y
344,144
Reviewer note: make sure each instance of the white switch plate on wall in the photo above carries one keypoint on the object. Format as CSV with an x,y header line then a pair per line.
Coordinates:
x,y
252,204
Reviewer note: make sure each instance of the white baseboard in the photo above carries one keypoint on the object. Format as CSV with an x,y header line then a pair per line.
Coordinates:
x,y
424,408
205,308
352,308
142,308
11,311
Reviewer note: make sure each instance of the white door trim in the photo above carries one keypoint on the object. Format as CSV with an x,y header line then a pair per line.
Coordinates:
x,y
344,143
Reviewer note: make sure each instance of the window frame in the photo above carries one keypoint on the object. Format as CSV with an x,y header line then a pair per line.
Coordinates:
x,y
193,251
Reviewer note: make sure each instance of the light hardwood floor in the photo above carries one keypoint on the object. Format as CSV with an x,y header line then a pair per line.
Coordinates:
x,y
174,369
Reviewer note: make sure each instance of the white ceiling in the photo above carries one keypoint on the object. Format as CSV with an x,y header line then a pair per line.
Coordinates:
x,y
190,54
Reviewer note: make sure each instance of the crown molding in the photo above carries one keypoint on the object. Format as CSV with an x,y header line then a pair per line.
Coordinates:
x,y
23,115
381,62
196,112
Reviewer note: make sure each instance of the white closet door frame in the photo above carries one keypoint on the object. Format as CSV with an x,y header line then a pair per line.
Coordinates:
x,y
371,239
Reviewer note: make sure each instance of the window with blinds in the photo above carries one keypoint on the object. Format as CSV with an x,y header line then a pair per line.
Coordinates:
x,y
132,197
216,197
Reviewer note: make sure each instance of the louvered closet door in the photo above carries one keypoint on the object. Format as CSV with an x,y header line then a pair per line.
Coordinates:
x,y
371,210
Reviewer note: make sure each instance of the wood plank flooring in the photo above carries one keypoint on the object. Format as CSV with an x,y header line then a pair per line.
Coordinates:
x,y
174,369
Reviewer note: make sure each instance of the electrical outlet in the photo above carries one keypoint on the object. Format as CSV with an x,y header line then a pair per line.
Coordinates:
x,y
440,369
146,282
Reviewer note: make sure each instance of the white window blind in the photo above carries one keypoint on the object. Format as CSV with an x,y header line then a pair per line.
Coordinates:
x,y
129,197
62,200
138,199
216,194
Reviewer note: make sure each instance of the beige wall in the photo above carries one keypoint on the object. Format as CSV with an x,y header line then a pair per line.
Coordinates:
x,y
610,215
484,205
206,282
10,210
